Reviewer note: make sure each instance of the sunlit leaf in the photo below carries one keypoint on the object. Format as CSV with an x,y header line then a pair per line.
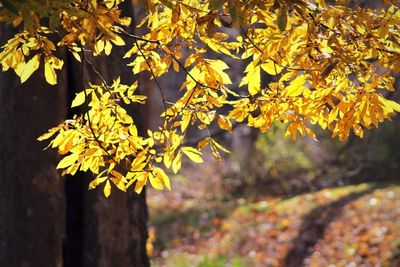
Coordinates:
x,y
79,99
30,67
107,189
193,154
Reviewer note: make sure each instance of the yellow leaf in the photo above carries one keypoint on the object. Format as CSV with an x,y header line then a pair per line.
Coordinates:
x,y
50,73
155,181
141,180
215,152
99,46
296,87
118,41
107,48
176,163
220,147
68,161
76,56
94,183
30,67
186,118
218,64
139,162
119,183
224,123
271,67
49,134
333,114
79,99
192,154
163,177
254,79
394,106
107,188
203,143
139,186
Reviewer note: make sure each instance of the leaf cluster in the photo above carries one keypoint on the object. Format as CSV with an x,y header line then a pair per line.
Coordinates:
x,y
331,66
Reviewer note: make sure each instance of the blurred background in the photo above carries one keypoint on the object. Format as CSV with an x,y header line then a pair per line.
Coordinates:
x,y
275,202
270,202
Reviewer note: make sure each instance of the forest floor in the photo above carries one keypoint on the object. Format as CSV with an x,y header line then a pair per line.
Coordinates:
x,y
356,225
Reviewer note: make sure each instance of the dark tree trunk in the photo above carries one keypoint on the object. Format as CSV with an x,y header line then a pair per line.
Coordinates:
x,y
31,190
105,231
36,227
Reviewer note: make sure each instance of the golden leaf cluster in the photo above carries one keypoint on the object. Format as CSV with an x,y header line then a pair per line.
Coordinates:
x,y
306,63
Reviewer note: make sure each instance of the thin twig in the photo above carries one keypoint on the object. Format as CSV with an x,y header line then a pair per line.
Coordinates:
x,y
153,74
120,30
87,113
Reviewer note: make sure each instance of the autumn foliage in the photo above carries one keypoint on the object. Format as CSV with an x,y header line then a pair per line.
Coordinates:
x,y
331,66
351,225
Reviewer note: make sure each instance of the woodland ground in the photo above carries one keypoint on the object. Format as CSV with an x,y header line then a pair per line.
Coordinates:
x,y
194,225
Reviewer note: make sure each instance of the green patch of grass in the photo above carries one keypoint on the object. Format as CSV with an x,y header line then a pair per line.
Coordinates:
x,y
190,260
333,194
189,217
221,261
262,206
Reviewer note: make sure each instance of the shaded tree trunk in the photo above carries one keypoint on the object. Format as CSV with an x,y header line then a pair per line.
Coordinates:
x,y
40,223
105,231
31,192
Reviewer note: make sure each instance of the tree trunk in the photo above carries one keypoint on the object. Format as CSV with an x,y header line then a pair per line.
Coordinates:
x,y
31,191
36,227
105,231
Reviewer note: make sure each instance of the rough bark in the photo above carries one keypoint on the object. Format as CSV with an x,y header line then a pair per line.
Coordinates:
x,y
31,193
